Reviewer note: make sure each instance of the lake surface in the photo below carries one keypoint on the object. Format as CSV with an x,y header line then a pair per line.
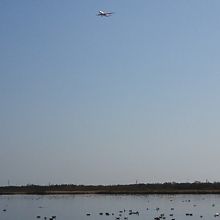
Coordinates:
x,y
28,207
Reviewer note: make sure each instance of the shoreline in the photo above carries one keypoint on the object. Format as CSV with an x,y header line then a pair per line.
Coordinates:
x,y
132,189
160,192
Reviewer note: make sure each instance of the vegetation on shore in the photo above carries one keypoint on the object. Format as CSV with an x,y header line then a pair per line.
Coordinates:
x,y
155,188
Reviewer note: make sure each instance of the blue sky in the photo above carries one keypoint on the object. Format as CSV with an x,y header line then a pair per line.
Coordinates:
x,y
90,100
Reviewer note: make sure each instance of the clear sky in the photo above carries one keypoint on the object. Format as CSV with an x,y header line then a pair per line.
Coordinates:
x,y
91,100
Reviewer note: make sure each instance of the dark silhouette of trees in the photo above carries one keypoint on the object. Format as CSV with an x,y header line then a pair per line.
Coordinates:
x,y
168,187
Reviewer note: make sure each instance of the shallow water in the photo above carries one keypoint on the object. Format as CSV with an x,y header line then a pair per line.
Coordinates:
x,y
76,207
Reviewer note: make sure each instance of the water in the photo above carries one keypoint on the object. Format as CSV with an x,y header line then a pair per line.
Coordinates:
x,y
77,207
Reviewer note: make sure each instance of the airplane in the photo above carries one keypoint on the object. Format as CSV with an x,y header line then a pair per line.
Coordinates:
x,y
104,14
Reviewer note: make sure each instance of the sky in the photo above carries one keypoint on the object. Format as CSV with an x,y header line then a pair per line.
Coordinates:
x,y
94,100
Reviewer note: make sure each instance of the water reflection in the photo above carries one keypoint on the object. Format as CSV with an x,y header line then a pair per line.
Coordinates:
x,y
108,207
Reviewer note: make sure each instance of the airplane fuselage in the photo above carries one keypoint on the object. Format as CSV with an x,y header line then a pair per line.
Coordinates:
x,y
104,14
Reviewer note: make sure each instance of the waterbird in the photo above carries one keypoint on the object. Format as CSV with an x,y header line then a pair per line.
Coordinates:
x,y
134,213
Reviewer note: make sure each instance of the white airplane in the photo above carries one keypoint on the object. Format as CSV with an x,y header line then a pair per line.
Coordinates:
x,y
104,14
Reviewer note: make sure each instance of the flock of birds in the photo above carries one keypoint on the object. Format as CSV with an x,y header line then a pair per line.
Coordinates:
x,y
124,214
120,215
49,218
53,217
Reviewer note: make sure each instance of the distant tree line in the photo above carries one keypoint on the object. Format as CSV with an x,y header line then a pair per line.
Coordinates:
x,y
149,188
